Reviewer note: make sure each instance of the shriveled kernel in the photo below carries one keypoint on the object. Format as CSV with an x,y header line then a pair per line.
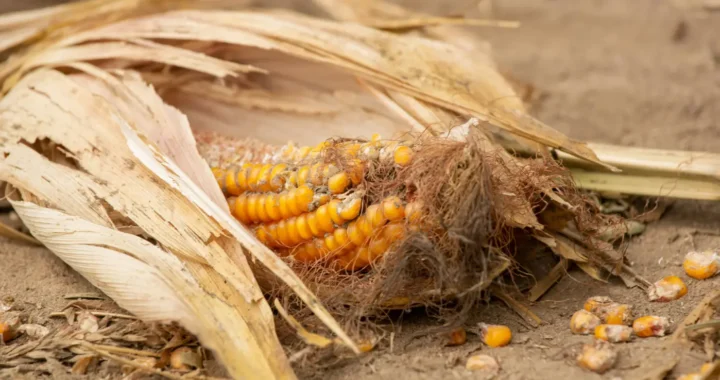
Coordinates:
x,y
615,314
350,208
495,335
413,212
650,325
483,363
593,303
597,357
668,289
333,210
613,333
701,265
457,337
403,155
584,322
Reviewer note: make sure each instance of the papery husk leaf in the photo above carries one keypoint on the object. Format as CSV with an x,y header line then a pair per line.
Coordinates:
x,y
50,105
448,78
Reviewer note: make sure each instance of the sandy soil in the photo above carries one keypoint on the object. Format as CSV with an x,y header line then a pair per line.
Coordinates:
x,y
613,71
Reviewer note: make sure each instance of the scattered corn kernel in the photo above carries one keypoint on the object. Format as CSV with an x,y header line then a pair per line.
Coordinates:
x,y
597,357
650,326
7,332
613,333
457,337
483,363
615,314
584,322
593,303
701,265
403,155
495,335
668,289
184,358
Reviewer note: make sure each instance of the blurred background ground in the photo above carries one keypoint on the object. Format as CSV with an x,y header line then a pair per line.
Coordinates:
x,y
639,73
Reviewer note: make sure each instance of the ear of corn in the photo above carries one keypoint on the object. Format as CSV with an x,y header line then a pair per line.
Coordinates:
x,y
667,289
311,210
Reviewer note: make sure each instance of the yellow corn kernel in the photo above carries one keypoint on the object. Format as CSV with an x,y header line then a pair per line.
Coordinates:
x,y
303,228
363,224
263,180
484,363
701,265
272,232
272,207
282,233
293,233
301,253
413,212
350,208
613,333
303,175
593,303
331,243
356,236
668,289
324,220
457,337
262,208
495,335
403,155
253,176
303,198
374,216
313,224
341,237
252,208
283,206
615,314
333,211
292,203
262,235
393,208
338,183
650,326
394,231
597,357
238,208
231,182
583,322
378,246
277,177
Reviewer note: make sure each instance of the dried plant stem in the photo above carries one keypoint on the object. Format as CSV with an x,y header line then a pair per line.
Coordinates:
x,y
647,185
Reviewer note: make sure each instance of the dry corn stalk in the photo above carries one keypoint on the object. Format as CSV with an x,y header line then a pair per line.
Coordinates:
x,y
90,149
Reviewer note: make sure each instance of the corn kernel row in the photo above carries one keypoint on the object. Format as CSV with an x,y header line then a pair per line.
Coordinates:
x,y
252,208
301,228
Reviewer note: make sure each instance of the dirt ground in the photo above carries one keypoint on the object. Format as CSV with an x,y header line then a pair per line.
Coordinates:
x,y
639,73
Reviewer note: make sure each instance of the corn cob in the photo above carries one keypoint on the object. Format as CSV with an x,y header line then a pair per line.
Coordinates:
x,y
312,210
